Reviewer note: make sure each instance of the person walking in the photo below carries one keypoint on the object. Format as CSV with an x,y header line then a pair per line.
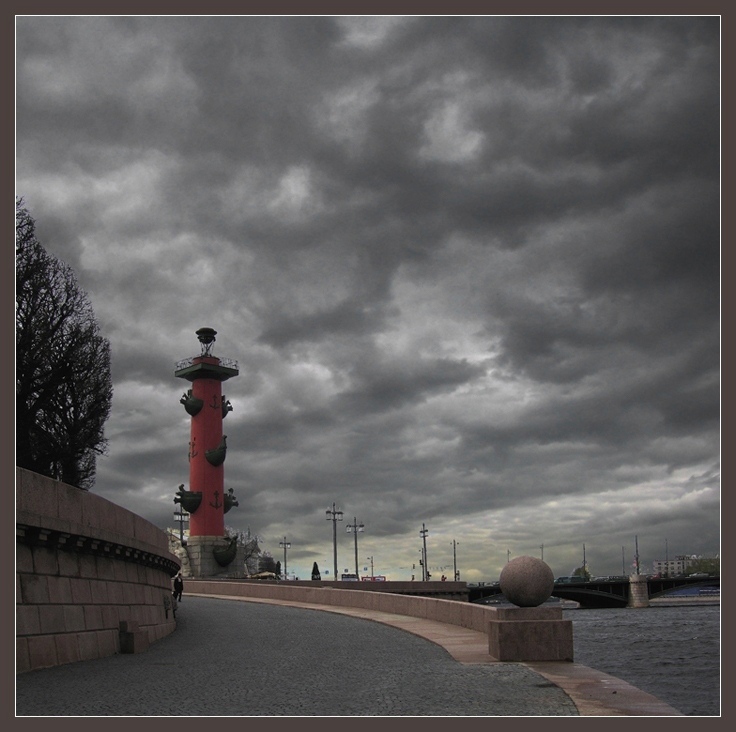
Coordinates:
x,y
178,587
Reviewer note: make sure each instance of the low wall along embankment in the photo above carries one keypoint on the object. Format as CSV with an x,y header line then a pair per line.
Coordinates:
x,y
454,612
92,578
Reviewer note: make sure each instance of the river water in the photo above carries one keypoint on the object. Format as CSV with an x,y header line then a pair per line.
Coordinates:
x,y
671,652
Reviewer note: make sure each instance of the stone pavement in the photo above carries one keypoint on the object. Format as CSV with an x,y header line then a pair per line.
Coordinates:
x,y
237,657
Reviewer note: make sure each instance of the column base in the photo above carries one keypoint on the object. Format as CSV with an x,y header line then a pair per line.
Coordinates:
x,y
638,591
202,562
530,634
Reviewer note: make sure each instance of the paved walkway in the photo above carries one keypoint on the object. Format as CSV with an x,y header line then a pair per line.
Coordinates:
x,y
237,657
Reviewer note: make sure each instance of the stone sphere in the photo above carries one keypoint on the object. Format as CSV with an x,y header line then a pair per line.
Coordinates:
x,y
526,581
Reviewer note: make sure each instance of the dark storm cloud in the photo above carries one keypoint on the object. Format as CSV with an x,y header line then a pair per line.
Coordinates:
x,y
469,266
394,385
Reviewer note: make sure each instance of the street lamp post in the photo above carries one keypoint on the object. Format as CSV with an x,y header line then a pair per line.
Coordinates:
x,y
355,527
335,516
181,516
425,573
454,561
286,545
636,554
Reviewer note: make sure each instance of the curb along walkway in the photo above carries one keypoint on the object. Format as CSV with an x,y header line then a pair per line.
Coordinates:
x,y
233,656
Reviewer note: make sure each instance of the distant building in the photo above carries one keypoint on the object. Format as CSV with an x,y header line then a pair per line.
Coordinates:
x,y
671,567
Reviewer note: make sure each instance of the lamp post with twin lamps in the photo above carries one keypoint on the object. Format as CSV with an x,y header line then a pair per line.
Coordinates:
x,y
286,545
335,516
355,527
425,569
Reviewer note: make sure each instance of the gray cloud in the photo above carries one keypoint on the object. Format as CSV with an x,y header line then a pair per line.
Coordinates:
x,y
469,267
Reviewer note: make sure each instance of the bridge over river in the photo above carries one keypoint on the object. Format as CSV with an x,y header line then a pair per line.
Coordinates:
x,y
606,593
614,592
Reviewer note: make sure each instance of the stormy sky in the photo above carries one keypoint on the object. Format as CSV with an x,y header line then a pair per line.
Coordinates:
x,y
469,268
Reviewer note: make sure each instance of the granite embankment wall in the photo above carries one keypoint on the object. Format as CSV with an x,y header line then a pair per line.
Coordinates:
x,y
454,612
92,578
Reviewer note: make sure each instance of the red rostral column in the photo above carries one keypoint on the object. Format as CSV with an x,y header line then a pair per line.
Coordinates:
x,y
207,445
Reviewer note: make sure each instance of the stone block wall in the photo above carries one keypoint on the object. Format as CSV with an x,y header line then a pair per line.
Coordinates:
x,y
638,591
88,574
464,614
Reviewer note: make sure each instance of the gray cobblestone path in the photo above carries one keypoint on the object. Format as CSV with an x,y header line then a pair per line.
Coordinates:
x,y
231,658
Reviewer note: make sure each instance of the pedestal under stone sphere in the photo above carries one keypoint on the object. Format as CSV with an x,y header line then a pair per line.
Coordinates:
x,y
526,581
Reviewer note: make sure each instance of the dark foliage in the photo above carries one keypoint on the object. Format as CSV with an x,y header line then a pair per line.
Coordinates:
x,y
266,563
63,385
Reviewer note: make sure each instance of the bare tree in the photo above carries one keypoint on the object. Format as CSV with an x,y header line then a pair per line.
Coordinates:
x,y
251,548
709,565
63,385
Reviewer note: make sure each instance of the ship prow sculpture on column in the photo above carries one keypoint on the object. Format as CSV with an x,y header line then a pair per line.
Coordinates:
x,y
211,551
529,632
